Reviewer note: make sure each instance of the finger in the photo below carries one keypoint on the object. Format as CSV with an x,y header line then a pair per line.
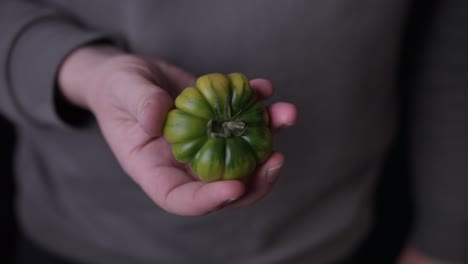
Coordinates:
x,y
173,190
170,186
263,88
262,181
146,102
153,110
282,115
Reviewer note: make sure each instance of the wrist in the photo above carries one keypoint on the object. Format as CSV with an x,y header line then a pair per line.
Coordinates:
x,y
79,69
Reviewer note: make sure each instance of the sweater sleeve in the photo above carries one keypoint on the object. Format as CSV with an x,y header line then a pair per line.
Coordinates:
x,y
34,41
439,135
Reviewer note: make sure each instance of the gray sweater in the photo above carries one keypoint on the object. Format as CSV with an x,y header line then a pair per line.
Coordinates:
x,y
335,60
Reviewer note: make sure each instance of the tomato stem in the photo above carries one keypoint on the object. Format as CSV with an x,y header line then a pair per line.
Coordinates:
x,y
225,128
224,125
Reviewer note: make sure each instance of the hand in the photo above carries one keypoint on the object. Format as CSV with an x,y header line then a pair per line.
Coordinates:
x,y
411,255
130,98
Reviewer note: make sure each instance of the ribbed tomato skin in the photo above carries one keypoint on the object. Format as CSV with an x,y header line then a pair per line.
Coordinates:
x,y
219,127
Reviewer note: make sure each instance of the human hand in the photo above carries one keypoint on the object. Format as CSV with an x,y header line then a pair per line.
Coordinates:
x,y
412,255
130,98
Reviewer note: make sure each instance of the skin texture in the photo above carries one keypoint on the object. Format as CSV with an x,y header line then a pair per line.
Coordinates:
x,y
130,97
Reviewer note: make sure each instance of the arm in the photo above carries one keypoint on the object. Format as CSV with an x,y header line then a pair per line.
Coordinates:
x,y
34,41
438,136
46,56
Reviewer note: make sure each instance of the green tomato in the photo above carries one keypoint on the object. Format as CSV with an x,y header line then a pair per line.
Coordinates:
x,y
219,127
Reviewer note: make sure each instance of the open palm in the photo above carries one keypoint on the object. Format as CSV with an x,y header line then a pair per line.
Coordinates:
x,y
131,105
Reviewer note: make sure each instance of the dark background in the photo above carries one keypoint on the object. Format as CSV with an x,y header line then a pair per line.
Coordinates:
x,y
7,217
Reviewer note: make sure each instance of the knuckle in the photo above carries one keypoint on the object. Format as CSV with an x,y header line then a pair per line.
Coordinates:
x,y
125,67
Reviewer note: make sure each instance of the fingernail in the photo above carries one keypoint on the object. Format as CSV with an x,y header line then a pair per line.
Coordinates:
x,y
142,110
288,125
227,202
272,174
145,106
230,200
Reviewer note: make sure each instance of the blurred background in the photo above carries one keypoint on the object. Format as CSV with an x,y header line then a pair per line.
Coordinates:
x,y
392,198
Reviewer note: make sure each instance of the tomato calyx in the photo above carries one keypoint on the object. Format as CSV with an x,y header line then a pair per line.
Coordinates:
x,y
225,128
224,125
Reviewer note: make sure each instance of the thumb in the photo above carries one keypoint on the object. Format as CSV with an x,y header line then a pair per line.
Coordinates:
x,y
149,91
145,102
152,108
